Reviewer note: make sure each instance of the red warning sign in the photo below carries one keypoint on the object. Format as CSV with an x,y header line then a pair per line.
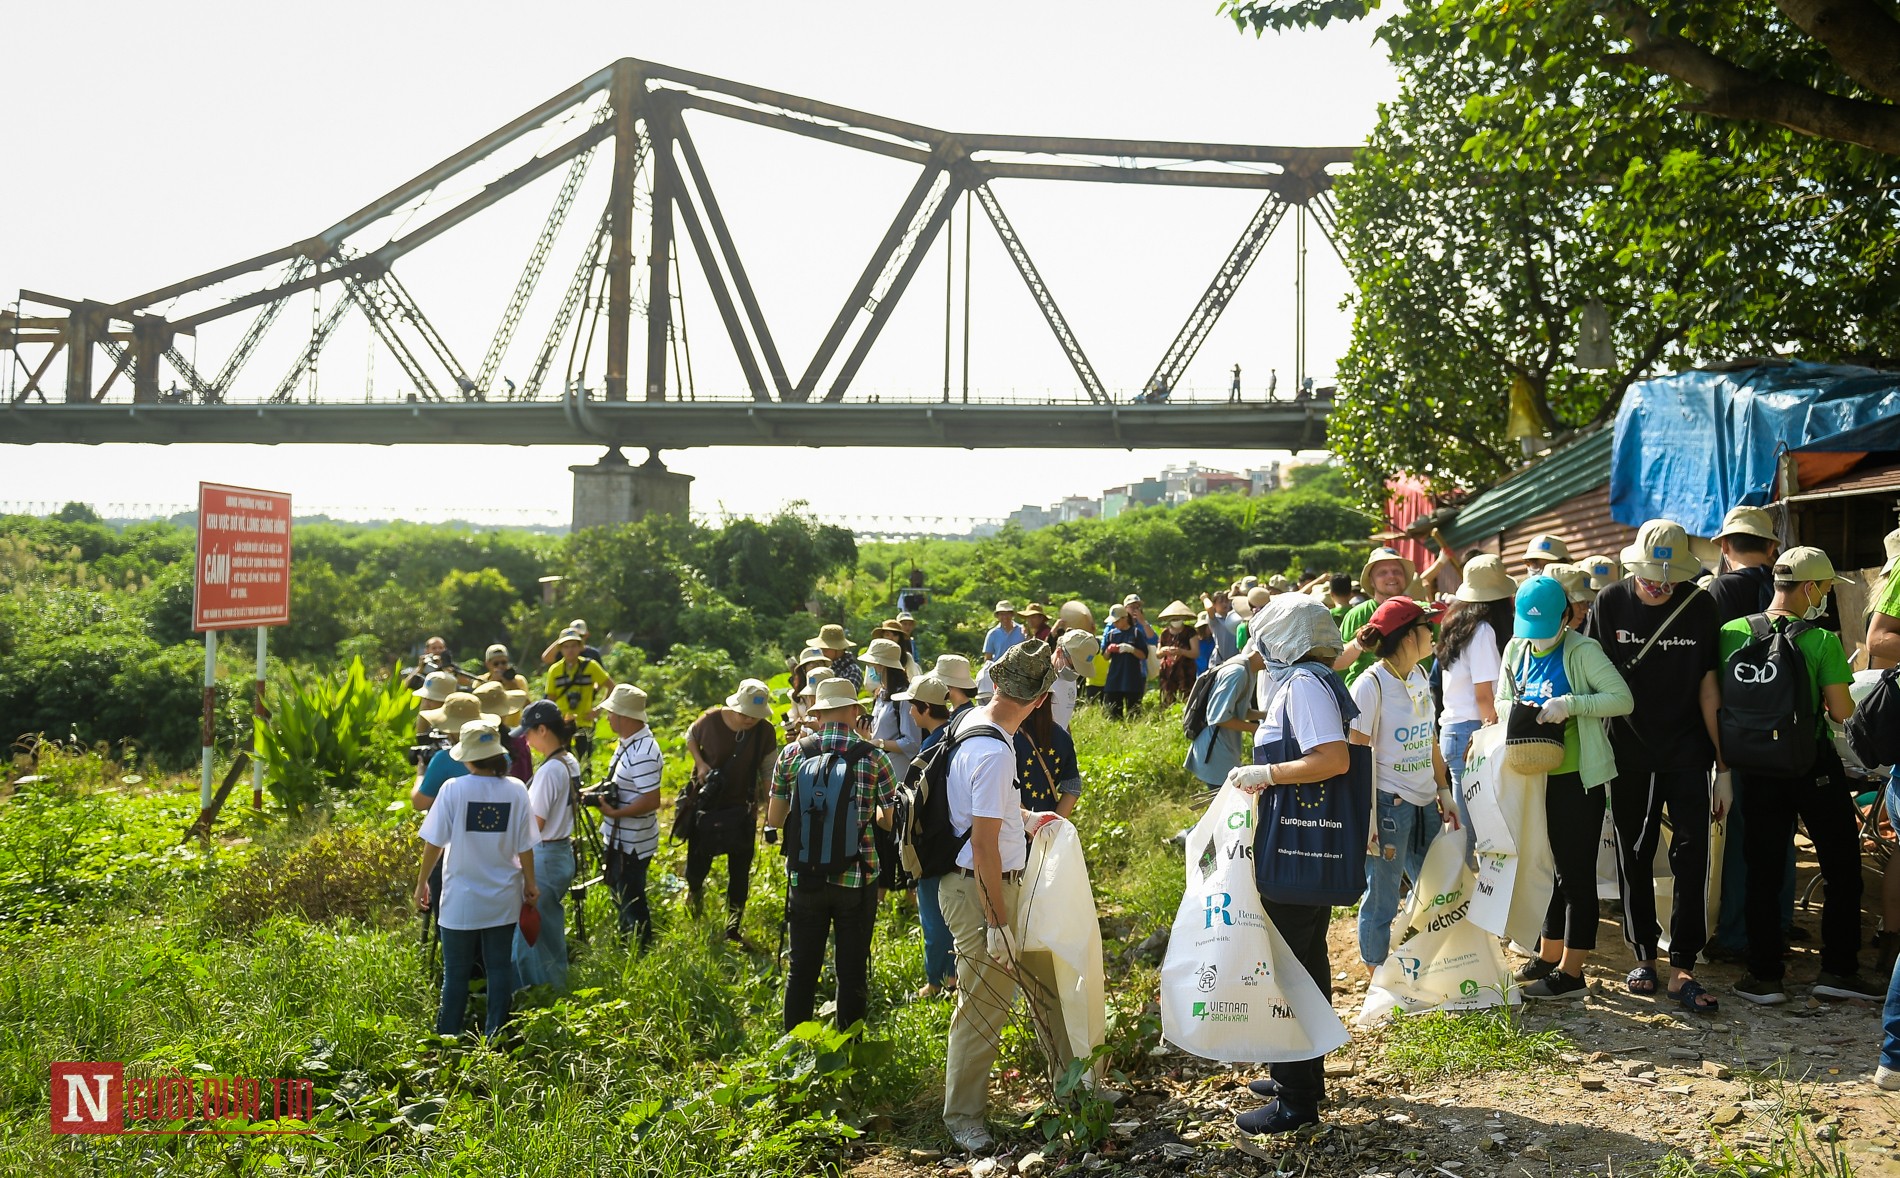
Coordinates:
x,y
243,558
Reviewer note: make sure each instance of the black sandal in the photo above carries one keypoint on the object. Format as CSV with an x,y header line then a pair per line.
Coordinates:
x,y
1642,975
1686,997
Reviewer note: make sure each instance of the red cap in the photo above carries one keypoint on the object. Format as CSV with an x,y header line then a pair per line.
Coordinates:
x,y
1400,612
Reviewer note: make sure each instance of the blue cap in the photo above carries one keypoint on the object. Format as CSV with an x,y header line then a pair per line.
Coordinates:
x,y
1541,605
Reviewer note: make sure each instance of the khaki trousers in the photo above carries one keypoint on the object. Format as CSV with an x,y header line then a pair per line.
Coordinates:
x,y
985,993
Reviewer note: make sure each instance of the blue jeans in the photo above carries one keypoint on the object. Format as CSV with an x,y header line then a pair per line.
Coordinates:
x,y
940,948
1405,832
1729,931
1890,1020
545,962
459,947
1453,740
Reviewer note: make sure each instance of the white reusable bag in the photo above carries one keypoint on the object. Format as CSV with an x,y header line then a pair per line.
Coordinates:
x,y
1513,888
1231,989
1442,960
1055,913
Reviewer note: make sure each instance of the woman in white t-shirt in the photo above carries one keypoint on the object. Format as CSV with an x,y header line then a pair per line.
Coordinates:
x,y
551,797
484,823
1395,718
1470,644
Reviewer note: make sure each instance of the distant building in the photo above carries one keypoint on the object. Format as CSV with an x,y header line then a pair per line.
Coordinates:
x,y
1076,507
1264,480
1029,517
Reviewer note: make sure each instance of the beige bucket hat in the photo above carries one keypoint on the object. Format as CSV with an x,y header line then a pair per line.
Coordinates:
x,y
1278,584
830,638
1382,554
835,692
813,680
1664,552
478,740
461,708
568,635
1486,580
1033,610
579,626
1575,581
753,699
1604,571
626,700
927,689
1004,607
954,671
812,658
889,628
1549,549
437,686
500,701
1748,521
884,653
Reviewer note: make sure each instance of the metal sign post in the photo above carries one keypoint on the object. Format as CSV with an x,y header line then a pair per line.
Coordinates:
x,y
243,580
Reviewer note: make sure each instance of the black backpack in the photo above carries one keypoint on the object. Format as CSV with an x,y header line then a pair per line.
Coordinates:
x,y
1194,712
824,828
1873,731
1767,719
927,846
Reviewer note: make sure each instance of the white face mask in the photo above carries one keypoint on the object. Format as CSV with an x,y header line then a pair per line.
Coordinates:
x,y
1817,611
1540,645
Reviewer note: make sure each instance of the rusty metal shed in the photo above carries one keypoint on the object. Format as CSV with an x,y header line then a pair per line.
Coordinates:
x,y
1566,494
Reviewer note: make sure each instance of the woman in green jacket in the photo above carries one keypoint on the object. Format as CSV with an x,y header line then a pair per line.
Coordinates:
x,y
1572,682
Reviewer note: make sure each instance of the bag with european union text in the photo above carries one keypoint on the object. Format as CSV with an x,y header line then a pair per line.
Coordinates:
x,y
1231,988
1311,844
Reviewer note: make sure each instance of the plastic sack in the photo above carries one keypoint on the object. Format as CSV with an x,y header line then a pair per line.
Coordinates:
x,y
1231,989
1513,888
1055,913
1442,961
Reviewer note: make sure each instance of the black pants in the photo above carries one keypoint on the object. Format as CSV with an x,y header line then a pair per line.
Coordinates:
x,y
1822,801
1120,703
627,876
1637,802
845,917
1303,1082
1573,816
730,835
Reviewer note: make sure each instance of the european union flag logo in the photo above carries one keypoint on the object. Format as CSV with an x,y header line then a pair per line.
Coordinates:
x,y
489,817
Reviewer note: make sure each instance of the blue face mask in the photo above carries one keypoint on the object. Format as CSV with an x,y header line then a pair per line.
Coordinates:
x,y
874,676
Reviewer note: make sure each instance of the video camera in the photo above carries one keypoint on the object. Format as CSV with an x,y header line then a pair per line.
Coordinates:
x,y
423,750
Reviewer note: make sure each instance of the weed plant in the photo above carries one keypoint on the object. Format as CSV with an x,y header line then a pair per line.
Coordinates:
x,y
1468,1043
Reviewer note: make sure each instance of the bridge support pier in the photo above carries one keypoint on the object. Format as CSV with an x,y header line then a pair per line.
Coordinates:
x,y
614,491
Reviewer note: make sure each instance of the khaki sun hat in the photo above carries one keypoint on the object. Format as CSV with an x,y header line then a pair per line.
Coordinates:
x,y
626,700
1486,580
1177,611
1662,552
753,699
954,670
568,635
812,681
927,689
1024,672
812,657
1748,521
497,651
884,653
1808,564
437,686
1201,619
1004,607
1575,581
1382,554
1549,549
1081,646
1033,610
835,692
1076,615
1892,542
1604,571
830,638
1278,584
500,701
461,708
579,626
1258,596
478,740
889,627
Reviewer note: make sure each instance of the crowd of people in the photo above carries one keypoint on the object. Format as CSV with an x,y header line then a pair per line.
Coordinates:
x,y
1647,676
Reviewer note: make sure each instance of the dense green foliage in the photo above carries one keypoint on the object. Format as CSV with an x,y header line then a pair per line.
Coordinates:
x,y
333,736
1517,178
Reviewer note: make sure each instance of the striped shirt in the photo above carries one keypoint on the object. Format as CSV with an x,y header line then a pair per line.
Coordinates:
x,y
635,772
870,781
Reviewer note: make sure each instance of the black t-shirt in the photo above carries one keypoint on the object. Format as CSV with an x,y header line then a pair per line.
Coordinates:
x,y
1666,731
1741,592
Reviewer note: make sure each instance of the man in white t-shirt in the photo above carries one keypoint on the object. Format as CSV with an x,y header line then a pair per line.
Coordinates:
x,y
979,898
631,807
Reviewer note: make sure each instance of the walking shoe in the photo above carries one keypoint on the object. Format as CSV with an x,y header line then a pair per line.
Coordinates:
x,y
1267,1088
1842,987
1557,984
1274,1118
1536,969
1887,1078
1760,992
973,1138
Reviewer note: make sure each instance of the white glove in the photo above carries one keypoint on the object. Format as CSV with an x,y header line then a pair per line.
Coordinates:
x,y
1724,795
1002,945
1250,778
1034,821
1448,807
1554,711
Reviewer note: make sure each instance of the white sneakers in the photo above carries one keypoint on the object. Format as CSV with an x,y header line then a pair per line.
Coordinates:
x,y
1887,1078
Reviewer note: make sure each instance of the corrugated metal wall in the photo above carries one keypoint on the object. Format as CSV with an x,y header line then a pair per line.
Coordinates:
x,y
1582,522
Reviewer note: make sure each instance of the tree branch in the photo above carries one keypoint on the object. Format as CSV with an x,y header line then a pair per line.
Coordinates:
x,y
1735,92
1861,36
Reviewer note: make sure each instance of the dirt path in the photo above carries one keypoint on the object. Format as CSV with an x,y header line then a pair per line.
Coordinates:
x,y
1641,1080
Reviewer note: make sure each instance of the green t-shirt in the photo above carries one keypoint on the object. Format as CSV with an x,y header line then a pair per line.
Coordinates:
x,y
1889,601
1827,662
1357,616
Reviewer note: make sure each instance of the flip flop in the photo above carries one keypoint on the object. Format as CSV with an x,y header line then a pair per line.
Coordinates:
x,y
1642,975
1687,996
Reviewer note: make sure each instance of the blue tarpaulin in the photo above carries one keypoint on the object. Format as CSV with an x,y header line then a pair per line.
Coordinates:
x,y
1690,446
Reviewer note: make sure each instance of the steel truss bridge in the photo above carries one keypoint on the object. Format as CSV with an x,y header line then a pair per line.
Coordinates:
x,y
80,370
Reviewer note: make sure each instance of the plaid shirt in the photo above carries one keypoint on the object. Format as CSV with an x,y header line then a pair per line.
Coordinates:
x,y
871,782
846,666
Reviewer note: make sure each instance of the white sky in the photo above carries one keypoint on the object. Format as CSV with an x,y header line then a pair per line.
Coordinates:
x,y
148,143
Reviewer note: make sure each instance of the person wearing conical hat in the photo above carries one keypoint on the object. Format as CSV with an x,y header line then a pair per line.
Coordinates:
x,y
1179,646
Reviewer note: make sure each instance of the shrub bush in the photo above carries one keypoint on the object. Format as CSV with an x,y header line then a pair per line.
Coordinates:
x,y
364,873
